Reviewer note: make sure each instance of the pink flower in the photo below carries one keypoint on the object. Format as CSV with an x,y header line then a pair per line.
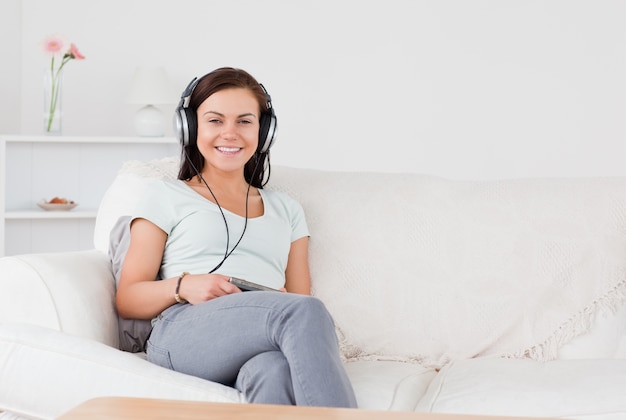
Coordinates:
x,y
55,45
74,53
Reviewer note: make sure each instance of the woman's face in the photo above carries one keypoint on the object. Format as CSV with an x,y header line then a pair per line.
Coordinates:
x,y
228,128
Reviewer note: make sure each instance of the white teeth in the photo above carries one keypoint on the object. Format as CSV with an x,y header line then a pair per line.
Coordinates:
x,y
228,149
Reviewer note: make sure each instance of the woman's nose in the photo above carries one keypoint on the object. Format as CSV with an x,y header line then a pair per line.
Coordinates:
x,y
229,130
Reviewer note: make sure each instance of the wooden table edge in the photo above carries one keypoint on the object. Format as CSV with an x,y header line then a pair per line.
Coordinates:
x,y
127,408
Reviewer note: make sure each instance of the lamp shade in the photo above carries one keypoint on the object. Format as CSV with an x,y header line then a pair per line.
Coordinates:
x,y
151,86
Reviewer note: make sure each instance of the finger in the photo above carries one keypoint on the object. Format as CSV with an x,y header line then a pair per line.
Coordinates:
x,y
228,287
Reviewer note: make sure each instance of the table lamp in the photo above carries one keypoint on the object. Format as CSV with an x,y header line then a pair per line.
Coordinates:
x,y
150,86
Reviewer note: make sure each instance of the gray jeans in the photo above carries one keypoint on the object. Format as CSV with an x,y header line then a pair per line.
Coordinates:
x,y
276,348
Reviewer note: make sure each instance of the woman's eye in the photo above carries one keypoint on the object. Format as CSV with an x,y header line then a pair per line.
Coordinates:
x,y
246,122
214,120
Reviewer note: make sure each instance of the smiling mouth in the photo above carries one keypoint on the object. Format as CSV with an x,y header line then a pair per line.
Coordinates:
x,y
228,150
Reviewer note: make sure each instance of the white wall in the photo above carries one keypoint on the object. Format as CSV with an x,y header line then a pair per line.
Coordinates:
x,y
10,66
458,88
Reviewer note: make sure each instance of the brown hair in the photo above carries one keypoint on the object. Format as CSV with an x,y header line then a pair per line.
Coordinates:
x,y
257,169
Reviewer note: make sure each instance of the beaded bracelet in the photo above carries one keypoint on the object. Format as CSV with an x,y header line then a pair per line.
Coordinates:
x,y
176,295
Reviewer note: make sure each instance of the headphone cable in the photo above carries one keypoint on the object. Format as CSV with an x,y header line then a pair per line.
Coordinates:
x,y
227,252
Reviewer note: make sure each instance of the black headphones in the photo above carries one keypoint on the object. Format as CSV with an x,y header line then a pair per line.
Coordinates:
x,y
186,124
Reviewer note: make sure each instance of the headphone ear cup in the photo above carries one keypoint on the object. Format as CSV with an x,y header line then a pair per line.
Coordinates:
x,y
267,132
192,127
185,126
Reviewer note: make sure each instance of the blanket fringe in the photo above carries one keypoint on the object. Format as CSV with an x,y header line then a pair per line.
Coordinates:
x,y
548,350
351,353
578,324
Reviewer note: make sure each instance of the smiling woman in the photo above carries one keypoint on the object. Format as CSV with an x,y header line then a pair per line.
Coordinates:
x,y
276,347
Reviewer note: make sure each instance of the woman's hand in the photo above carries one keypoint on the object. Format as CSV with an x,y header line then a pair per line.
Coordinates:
x,y
198,288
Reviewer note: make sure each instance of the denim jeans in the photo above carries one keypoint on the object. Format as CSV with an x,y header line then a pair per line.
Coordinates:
x,y
276,348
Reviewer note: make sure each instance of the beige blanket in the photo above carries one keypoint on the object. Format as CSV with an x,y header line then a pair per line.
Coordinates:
x,y
424,269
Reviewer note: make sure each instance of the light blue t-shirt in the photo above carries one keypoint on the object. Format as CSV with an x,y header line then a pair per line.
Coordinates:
x,y
196,231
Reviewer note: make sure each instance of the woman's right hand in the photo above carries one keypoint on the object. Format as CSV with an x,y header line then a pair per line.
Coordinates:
x,y
198,288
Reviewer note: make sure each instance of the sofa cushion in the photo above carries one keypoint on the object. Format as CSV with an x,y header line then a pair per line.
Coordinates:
x,y
125,191
386,385
134,333
573,389
46,373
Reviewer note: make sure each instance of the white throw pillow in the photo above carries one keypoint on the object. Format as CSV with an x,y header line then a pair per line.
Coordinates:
x,y
123,194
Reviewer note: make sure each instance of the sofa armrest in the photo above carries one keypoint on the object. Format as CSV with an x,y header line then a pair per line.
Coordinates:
x,y
45,373
72,292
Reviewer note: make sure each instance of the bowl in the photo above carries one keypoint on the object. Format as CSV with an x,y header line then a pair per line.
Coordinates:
x,y
57,206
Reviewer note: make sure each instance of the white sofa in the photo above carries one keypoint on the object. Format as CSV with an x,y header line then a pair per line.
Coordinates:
x,y
487,297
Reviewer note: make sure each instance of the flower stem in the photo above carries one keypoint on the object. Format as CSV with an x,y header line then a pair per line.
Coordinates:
x,y
54,90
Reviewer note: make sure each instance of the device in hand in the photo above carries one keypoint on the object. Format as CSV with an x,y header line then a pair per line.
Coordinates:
x,y
248,286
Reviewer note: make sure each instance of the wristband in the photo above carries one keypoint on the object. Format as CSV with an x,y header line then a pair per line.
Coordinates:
x,y
176,295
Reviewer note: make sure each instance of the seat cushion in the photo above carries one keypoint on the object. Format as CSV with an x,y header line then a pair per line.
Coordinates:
x,y
573,389
388,385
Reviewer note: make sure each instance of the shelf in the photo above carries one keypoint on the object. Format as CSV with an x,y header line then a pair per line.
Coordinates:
x,y
81,167
43,214
92,139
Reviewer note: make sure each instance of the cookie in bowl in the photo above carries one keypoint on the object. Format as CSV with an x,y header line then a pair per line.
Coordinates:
x,y
57,203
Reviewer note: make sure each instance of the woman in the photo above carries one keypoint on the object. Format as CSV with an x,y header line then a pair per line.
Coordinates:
x,y
216,223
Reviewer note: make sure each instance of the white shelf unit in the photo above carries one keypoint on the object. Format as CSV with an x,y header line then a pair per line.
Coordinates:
x,y
79,168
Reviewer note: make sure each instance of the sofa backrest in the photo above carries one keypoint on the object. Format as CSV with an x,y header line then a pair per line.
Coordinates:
x,y
420,268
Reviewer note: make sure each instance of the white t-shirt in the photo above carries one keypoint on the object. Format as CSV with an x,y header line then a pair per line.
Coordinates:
x,y
197,235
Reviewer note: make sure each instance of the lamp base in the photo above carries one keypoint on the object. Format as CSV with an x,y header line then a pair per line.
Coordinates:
x,y
149,122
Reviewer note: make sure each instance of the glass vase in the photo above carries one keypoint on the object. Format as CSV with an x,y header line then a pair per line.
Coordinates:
x,y
52,102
